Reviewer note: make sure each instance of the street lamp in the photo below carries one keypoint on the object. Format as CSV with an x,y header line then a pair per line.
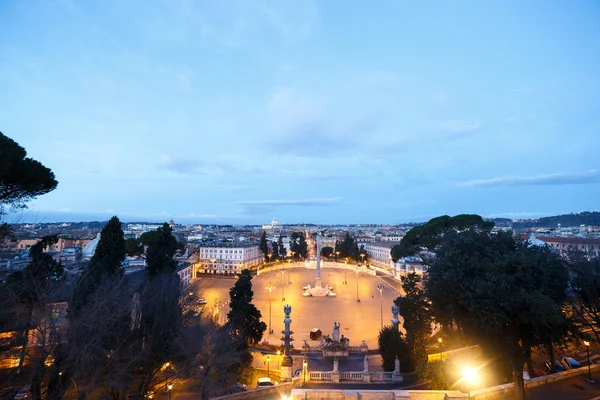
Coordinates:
x,y
170,387
270,288
282,298
469,376
337,254
380,288
268,366
346,275
362,257
587,346
357,299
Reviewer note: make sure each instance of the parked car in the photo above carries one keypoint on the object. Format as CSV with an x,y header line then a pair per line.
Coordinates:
x,y
266,382
539,372
569,363
548,364
298,372
202,301
236,388
23,393
315,334
331,294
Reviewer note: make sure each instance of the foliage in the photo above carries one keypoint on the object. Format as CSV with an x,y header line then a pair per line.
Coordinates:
x,y
348,248
264,246
281,248
327,252
501,292
275,255
585,283
392,345
161,251
431,233
21,178
244,318
436,373
298,244
133,247
414,309
110,252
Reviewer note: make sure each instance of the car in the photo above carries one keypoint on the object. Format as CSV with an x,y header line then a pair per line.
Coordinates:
x,y
298,372
266,382
548,364
236,388
331,294
306,294
315,334
23,393
202,301
306,287
539,372
526,375
569,363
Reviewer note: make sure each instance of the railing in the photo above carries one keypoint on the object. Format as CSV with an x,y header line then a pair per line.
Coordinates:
x,y
351,376
320,375
382,376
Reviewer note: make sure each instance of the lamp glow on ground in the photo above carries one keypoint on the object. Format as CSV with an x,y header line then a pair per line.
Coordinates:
x,y
470,377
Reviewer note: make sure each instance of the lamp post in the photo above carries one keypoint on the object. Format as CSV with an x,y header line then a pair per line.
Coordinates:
x,y
469,376
337,254
380,288
357,299
587,346
268,366
170,387
362,257
278,359
282,297
270,288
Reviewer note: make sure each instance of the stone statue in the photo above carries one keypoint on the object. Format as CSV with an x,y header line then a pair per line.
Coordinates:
x,y
397,365
287,309
366,363
336,332
395,312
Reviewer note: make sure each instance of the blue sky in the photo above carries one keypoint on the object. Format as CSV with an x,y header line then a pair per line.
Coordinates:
x,y
316,111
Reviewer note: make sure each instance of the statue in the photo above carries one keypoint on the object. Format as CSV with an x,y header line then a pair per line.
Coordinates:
x,y
336,332
366,364
395,321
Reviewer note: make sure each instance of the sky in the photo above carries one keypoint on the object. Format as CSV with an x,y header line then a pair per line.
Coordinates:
x,y
328,112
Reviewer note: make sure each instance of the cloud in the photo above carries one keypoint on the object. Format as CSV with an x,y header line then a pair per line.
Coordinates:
x,y
265,206
460,127
573,178
179,165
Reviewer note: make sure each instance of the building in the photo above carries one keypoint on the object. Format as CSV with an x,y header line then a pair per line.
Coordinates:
x,y
227,258
379,255
184,270
62,244
407,265
564,245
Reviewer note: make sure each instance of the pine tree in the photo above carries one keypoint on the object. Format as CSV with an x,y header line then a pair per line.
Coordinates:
x,y
275,255
244,317
110,252
161,251
264,247
282,251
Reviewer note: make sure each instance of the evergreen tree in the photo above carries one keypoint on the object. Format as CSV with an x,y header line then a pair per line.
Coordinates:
x,y
275,255
281,247
392,345
302,246
110,252
264,246
244,318
161,251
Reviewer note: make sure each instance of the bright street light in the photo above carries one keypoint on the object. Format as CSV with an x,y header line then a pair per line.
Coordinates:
x,y
270,288
380,288
587,346
470,377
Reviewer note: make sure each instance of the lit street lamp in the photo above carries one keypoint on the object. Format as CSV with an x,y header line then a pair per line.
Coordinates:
x,y
470,377
268,366
362,257
278,359
304,368
380,288
587,346
170,387
337,254
270,288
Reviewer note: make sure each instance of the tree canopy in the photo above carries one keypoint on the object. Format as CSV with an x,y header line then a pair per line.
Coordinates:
x,y
244,317
501,292
21,178
431,233
161,251
264,246
110,252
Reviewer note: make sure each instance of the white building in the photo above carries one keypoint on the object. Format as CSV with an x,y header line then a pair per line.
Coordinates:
x,y
227,258
185,275
379,254
407,265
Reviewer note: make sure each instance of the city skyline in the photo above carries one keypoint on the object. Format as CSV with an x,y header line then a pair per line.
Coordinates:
x,y
327,113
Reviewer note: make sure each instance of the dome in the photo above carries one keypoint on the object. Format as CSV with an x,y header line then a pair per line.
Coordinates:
x,y
90,248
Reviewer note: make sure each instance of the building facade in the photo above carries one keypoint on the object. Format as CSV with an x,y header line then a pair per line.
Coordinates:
x,y
227,258
563,246
379,255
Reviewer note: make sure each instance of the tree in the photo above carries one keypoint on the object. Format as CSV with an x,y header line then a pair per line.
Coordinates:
x,y
275,247
500,291
392,345
161,251
437,374
430,235
244,317
133,247
302,246
327,251
414,308
281,247
264,247
21,178
585,283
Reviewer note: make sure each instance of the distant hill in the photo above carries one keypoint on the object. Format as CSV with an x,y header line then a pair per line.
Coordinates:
x,y
575,219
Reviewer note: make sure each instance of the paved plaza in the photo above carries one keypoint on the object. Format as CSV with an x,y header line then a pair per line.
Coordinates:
x,y
359,320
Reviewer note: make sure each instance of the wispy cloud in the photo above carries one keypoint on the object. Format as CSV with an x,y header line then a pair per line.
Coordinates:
x,y
265,206
573,178
460,127
179,165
